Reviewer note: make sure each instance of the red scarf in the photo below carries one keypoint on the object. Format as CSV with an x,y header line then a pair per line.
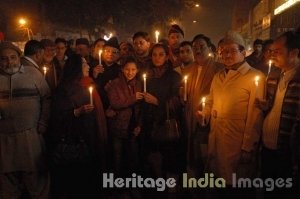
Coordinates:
x,y
86,82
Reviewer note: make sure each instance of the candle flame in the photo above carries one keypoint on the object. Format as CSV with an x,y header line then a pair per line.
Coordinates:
x,y
91,89
185,78
203,99
144,76
100,52
270,62
157,33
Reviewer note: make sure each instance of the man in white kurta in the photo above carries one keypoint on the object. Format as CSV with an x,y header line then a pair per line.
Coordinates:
x,y
235,121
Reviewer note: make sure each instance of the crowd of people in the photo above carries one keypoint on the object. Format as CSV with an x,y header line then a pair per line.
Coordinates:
x,y
69,114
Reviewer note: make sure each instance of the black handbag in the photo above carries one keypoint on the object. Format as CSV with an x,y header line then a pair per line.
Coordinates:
x,y
70,151
70,147
168,131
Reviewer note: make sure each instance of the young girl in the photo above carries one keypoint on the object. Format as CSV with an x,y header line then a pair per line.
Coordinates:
x,y
124,94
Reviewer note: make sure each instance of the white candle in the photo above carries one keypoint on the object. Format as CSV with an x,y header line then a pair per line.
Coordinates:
x,y
185,88
145,82
256,85
45,70
91,95
270,67
156,36
100,53
203,108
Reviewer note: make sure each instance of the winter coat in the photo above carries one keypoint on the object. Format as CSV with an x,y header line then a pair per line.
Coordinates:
x,y
24,113
122,99
235,121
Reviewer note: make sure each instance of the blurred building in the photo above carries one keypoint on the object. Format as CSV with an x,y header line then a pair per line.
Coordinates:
x,y
265,19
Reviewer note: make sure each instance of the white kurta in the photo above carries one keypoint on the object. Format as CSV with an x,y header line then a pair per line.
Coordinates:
x,y
235,121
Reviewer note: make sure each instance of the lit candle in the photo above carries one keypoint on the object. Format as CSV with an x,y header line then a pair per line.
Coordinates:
x,y
100,53
145,82
270,67
156,36
256,85
203,107
210,55
185,88
91,95
45,70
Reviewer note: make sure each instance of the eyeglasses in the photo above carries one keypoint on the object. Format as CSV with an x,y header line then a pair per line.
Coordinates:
x,y
229,51
111,51
275,52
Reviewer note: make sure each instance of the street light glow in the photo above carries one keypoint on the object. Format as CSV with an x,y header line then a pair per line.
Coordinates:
x,y
197,5
22,21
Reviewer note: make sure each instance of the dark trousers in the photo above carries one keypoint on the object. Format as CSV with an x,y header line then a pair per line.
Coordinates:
x,y
276,165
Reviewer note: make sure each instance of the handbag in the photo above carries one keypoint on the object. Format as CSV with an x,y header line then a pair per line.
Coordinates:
x,y
70,147
168,131
70,151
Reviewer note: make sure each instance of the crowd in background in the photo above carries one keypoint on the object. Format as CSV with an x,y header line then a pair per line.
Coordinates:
x,y
234,115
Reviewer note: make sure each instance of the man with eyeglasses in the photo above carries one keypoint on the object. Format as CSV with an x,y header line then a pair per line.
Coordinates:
x,y
281,128
109,68
234,118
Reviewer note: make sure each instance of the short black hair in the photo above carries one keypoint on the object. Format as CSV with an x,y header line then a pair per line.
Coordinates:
x,y
292,40
130,59
60,40
185,43
142,34
205,38
32,47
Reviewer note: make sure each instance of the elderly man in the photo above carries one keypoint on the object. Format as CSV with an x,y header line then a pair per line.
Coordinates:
x,y
24,107
235,120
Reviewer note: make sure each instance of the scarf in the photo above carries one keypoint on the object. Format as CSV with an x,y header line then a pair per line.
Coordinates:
x,y
85,82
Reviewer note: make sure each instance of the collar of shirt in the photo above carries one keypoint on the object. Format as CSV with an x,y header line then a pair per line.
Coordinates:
x,y
288,75
241,67
32,61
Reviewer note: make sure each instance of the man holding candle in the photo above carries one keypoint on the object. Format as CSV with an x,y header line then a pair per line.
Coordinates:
x,y
111,68
49,68
281,127
199,76
24,112
235,122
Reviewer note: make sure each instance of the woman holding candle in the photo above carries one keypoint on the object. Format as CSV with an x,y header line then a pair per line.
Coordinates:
x,y
74,118
161,159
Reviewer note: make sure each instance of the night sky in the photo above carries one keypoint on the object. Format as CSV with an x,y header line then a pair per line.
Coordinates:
x,y
213,19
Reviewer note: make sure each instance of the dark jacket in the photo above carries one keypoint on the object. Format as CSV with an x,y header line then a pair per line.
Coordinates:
x,y
165,87
63,122
110,72
288,144
122,98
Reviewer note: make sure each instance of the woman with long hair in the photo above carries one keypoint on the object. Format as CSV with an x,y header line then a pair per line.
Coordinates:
x,y
76,120
162,159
